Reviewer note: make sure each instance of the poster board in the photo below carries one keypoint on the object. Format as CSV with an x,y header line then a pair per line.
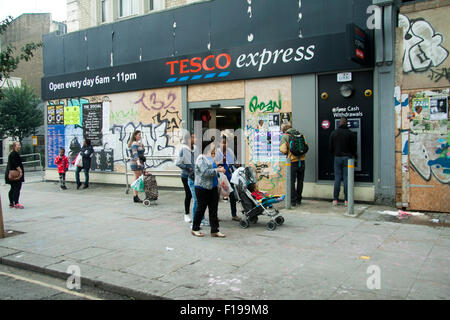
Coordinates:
x,y
72,115
55,140
93,123
421,108
51,115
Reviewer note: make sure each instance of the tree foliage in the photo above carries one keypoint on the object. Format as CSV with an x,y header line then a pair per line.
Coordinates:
x,y
9,59
20,112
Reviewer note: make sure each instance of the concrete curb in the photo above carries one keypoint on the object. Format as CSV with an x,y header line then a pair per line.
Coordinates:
x,y
138,295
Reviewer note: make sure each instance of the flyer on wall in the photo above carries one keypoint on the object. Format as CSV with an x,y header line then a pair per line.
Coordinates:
x,y
438,108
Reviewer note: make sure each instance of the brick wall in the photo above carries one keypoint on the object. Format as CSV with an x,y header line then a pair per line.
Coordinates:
x,y
86,16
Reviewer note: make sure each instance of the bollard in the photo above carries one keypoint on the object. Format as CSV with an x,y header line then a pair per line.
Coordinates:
x,y
350,180
288,184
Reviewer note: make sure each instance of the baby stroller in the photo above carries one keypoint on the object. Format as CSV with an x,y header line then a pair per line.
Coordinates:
x,y
244,180
150,189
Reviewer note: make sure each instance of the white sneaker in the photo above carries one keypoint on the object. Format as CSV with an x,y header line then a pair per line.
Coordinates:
x,y
186,218
205,223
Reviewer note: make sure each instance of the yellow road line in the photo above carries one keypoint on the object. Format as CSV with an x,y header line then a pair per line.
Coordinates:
x,y
49,286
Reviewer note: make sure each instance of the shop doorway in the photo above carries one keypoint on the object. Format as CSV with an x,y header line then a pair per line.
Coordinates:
x,y
226,120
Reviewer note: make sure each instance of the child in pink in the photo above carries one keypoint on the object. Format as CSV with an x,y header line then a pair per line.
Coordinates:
x,y
63,165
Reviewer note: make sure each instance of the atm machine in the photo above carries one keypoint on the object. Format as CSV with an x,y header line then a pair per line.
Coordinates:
x,y
355,126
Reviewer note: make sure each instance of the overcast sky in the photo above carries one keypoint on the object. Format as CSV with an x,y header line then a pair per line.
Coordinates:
x,y
15,8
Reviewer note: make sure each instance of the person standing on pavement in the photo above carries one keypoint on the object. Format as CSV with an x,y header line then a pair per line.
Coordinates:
x,y
342,146
87,151
137,159
62,163
225,157
206,183
15,163
297,163
186,161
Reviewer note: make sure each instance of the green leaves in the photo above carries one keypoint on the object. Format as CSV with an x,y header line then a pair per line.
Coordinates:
x,y
8,60
20,112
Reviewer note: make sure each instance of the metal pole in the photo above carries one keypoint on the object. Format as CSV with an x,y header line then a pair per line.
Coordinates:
x,y
350,180
288,183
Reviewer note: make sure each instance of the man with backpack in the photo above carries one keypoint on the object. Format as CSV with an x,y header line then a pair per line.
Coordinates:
x,y
343,146
295,147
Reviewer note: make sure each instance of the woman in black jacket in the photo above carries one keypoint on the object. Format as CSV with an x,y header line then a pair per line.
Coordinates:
x,y
87,152
15,163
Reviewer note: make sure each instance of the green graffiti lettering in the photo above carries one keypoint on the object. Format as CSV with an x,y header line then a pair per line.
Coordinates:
x,y
271,106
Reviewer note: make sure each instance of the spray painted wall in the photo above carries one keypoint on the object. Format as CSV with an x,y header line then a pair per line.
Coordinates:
x,y
422,96
268,102
157,113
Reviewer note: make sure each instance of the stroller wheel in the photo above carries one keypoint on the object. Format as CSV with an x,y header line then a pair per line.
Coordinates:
x,y
244,224
279,220
271,225
146,202
254,219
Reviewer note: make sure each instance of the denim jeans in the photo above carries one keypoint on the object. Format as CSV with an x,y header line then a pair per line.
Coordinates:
x,y
340,171
86,176
14,193
188,195
194,197
233,201
297,174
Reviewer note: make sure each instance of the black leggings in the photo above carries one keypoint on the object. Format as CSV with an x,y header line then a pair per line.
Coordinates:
x,y
187,199
14,193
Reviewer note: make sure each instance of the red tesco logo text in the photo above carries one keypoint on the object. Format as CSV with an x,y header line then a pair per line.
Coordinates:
x,y
196,64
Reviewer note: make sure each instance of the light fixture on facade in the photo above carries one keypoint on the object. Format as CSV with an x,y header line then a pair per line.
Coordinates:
x,y
346,90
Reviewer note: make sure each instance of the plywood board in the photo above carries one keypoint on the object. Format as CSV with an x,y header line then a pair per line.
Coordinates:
x,y
264,96
424,198
216,91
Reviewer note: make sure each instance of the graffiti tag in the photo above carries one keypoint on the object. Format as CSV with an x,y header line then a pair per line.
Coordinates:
x,y
155,139
422,46
436,75
271,106
152,103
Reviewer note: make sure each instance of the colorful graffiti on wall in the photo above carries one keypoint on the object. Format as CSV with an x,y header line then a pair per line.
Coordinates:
x,y
265,101
429,153
423,143
422,45
156,113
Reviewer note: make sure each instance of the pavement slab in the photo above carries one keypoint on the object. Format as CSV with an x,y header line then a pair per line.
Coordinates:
x,y
318,253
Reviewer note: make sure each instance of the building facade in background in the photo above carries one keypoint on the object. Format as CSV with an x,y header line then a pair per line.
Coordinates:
x,y
83,14
230,65
27,28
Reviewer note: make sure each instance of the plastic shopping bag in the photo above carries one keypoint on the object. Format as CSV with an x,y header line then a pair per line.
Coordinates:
x,y
138,185
224,185
79,160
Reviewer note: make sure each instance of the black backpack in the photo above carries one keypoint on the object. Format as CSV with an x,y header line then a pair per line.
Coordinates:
x,y
297,144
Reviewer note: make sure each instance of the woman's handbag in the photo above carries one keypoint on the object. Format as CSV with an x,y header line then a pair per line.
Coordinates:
x,y
14,175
